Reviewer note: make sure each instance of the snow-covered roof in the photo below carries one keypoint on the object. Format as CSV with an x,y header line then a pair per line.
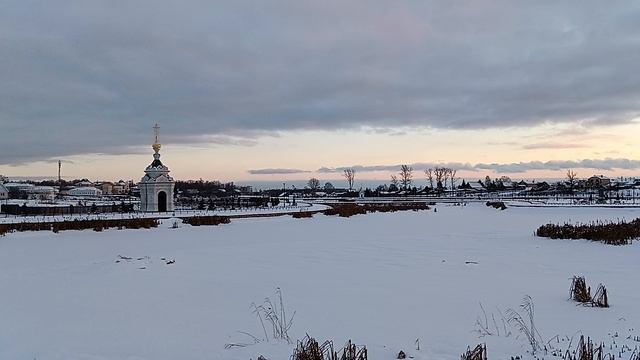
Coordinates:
x,y
42,190
18,185
476,185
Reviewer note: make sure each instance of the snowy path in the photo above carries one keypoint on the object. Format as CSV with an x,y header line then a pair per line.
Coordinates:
x,y
383,280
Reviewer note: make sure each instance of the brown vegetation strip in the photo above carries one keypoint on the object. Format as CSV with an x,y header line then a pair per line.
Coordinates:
x,y
96,225
350,209
612,233
206,220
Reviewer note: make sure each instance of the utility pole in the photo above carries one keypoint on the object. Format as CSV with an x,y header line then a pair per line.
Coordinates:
x,y
59,177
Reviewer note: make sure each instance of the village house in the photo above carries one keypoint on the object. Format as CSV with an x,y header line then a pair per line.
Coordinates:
x,y
120,188
598,181
106,187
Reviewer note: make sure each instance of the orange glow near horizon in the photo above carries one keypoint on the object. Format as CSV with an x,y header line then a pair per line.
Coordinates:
x,y
311,150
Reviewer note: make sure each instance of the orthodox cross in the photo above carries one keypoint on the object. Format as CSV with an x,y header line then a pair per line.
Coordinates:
x,y
156,132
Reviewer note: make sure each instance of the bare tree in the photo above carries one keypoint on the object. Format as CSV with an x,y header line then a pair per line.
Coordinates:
x,y
429,173
406,176
571,179
394,180
313,184
447,173
440,174
350,175
453,178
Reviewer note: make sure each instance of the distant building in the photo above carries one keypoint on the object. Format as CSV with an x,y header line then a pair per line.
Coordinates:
x,y
41,193
4,192
84,191
476,186
84,182
598,181
106,188
121,188
29,191
156,186
18,187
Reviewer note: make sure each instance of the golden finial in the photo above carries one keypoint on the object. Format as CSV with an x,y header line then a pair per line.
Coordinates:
x,y
156,145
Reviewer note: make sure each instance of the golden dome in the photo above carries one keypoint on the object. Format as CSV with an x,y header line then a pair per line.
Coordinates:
x,y
156,147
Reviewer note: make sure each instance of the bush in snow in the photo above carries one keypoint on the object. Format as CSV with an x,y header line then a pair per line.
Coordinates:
x,y
586,351
579,290
497,205
581,293
479,353
309,349
302,215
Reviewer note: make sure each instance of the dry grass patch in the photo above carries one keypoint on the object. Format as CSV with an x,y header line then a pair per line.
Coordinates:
x,y
610,232
350,209
207,220
309,349
581,293
478,353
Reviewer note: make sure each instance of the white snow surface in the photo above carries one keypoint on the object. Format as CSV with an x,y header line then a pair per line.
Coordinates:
x,y
381,280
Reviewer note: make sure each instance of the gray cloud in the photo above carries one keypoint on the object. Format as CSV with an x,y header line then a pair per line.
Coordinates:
x,y
276,171
520,167
553,145
396,167
93,76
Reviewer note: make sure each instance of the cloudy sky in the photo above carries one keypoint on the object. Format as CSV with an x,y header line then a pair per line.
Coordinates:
x,y
289,89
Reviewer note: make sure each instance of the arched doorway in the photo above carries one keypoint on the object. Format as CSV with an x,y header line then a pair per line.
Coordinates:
x,y
162,201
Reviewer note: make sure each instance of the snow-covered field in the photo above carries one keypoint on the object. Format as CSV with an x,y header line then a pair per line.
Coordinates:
x,y
382,280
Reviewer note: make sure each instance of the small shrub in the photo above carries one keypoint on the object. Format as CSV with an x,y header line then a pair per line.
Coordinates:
x,y
309,349
581,293
579,290
479,353
353,352
586,351
600,298
497,205
302,215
